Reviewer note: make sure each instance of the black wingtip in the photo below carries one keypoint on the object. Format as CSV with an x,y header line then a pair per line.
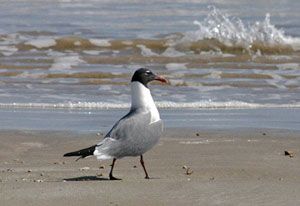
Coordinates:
x,y
82,153
70,154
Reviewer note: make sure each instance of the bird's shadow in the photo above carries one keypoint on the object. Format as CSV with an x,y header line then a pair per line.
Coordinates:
x,y
95,178
86,178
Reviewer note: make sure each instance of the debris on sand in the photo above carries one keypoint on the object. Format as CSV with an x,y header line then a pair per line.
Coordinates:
x,y
84,168
38,180
188,170
289,153
59,163
18,161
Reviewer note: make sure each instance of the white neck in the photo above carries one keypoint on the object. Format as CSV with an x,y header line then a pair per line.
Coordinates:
x,y
142,98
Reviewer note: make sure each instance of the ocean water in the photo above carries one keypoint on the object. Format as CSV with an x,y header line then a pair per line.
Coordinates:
x,y
101,120
217,54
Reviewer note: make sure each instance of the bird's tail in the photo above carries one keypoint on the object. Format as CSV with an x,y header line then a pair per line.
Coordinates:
x,y
82,153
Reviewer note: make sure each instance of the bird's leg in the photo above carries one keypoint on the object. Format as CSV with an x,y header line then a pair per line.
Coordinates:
x,y
142,163
111,177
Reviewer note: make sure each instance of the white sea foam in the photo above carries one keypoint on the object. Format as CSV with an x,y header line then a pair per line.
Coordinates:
x,y
77,43
278,57
205,141
100,42
235,32
31,75
214,75
162,104
212,53
8,50
171,52
288,66
66,62
146,51
92,52
294,42
176,66
128,43
175,82
293,82
41,42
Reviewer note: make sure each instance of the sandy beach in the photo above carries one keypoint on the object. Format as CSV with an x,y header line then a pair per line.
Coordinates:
x,y
187,167
231,109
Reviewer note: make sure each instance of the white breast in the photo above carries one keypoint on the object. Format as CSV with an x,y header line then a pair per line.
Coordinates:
x,y
141,98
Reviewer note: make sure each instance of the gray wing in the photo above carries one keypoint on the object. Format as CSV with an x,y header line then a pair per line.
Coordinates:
x,y
131,124
132,135
131,113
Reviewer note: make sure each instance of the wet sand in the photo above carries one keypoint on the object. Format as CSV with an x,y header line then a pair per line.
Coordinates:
x,y
227,167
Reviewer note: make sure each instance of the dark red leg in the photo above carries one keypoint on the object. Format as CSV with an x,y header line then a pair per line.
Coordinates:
x,y
111,177
142,163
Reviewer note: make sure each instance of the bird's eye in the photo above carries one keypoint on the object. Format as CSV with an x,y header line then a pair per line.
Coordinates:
x,y
147,72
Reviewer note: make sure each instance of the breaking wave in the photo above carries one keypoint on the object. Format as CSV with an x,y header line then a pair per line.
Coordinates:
x,y
217,32
161,104
234,35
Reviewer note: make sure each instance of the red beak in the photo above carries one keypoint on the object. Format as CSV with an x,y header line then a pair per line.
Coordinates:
x,y
161,79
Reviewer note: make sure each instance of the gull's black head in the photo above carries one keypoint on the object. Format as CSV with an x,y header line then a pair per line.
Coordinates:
x,y
145,76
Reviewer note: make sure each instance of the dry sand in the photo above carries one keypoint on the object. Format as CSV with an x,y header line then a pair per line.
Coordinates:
x,y
241,167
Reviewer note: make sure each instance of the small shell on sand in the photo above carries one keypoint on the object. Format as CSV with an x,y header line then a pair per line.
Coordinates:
x,y
84,168
187,169
289,153
38,180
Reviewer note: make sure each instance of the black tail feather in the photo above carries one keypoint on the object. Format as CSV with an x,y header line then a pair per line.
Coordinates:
x,y
82,153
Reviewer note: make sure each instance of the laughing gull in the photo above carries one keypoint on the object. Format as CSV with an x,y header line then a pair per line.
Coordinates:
x,y
136,132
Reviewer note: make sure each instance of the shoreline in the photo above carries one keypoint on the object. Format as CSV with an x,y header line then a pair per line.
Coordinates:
x,y
228,167
98,120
